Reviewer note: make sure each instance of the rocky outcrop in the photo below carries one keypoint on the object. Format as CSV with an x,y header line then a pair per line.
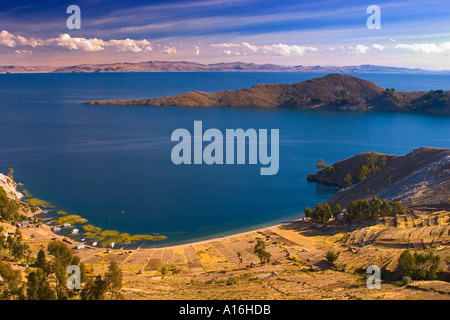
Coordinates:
x,y
420,179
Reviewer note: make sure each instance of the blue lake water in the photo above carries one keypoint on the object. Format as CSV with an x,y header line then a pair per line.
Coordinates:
x,y
97,161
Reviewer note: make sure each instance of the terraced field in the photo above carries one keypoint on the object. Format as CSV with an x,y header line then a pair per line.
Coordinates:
x,y
297,249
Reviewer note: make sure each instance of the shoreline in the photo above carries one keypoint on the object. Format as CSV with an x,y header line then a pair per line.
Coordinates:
x,y
238,234
12,190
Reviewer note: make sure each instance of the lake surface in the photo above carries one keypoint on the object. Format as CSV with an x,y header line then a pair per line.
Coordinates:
x,y
97,161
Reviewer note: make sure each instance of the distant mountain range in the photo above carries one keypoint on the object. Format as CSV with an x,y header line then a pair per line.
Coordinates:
x,y
184,66
334,91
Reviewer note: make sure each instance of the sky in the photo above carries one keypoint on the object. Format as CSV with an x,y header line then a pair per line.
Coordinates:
x,y
413,34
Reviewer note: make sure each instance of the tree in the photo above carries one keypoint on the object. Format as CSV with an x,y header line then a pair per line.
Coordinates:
x,y
397,208
76,261
337,210
94,289
61,280
308,213
11,286
260,250
425,266
322,212
406,263
40,260
363,172
83,272
18,247
61,252
42,263
331,257
348,180
239,254
390,92
38,287
420,266
114,278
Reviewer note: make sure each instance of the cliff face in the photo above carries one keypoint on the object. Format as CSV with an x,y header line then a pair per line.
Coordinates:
x,y
334,91
420,179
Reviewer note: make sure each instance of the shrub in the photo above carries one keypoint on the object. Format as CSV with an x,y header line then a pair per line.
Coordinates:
x,y
331,257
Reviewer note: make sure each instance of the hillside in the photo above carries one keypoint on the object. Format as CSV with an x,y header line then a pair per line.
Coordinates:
x,y
185,66
334,91
419,180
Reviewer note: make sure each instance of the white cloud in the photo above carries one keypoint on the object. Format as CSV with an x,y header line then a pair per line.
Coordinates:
x,y
426,47
359,49
169,50
129,45
378,46
393,40
8,39
287,50
249,46
276,49
82,44
197,50
225,45
23,51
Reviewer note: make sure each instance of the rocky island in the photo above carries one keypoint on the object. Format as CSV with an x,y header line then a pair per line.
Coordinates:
x,y
332,92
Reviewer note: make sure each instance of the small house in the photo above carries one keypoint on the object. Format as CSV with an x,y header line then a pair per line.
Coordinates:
x,y
112,244
23,224
75,231
56,229
80,246
94,244
66,225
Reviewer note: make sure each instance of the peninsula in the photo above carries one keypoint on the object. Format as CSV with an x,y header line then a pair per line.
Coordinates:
x,y
332,92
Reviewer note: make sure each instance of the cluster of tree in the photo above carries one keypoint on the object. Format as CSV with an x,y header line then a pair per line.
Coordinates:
x,y
419,266
294,101
48,279
14,246
348,181
362,210
322,212
389,92
356,211
260,251
9,209
11,285
342,101
433,99
373,163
